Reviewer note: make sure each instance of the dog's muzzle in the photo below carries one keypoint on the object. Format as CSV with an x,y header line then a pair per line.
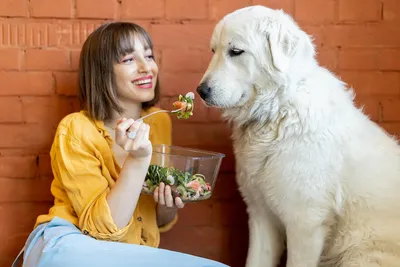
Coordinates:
x,y
204,90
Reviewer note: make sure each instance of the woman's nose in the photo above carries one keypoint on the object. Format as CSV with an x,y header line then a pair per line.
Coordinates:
x,y
143,66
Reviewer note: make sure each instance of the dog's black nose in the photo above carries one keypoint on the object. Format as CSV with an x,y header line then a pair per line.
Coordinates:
x,y
203,90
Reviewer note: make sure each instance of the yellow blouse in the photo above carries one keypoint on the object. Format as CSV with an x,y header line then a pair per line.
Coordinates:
x,y
85,169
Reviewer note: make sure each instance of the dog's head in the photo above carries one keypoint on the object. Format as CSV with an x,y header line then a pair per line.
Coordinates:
x,y
257,51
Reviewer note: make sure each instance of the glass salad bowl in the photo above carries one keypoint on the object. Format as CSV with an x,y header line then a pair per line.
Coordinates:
x,y
191,173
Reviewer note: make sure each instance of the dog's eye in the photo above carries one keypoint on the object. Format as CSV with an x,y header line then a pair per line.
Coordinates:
x,y
235,52
212,50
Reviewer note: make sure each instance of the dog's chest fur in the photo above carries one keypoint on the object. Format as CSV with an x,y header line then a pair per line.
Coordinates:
x,y
254,153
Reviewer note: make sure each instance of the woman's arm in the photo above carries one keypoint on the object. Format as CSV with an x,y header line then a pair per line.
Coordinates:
x,y
123,197
76,165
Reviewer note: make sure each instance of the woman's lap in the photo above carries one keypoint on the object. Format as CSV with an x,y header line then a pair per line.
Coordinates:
x,y
63,245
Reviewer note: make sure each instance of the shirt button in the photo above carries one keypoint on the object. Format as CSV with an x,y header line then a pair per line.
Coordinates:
x,y
139,219
85,232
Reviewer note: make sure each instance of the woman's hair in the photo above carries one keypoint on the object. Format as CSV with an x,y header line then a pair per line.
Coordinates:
x,y
104,47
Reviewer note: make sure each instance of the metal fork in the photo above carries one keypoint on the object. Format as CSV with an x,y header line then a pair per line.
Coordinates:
x,y
159,111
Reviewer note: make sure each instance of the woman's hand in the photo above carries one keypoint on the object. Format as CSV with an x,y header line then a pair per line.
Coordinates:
x,y
133,137
167,207
163,196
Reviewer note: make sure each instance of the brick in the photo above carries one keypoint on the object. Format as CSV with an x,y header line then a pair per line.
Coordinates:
x,y
369,59
393,128
390,109
73,33
315,11
26,136
187,60
43,59
209,243
220,8
369,105
327,58
173,84
102,9
28,33
189,9
51,9
372,83
75,104
230,213
26,83
18,166
196,215
15,234
286,5
10,109
234,254
45,166
349,10
14,8
391,10
10,59
137,9
316,33
198,134
214,114
66,83
16,190
75,55
45,110
368,35
182,35
226,187
358,59
389,59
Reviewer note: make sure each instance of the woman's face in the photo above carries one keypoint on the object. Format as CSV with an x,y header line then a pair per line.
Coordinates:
x,y
136,75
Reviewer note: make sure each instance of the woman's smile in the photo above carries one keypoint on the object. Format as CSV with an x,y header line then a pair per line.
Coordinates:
x,y
144,82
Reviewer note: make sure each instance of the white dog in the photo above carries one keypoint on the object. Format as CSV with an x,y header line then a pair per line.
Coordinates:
x,y
315,172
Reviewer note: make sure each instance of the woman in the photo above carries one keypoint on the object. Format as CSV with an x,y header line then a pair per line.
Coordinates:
x,y
100,158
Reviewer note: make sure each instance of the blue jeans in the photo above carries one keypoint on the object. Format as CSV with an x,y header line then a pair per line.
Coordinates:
x,y
60,244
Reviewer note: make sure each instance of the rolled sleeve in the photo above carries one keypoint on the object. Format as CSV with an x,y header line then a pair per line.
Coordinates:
x,y
80,173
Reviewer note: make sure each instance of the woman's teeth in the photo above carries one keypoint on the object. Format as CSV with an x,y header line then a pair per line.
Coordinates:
x,y
142,82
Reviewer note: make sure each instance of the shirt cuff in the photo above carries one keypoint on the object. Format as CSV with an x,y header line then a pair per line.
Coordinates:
x,y
103,226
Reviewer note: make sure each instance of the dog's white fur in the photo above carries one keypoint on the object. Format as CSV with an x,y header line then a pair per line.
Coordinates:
x,y
315,172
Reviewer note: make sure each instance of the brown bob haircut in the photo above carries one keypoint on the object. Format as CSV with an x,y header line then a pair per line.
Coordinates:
x,y
104,47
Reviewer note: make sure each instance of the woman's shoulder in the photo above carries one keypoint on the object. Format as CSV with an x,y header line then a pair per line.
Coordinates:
x,y
77,125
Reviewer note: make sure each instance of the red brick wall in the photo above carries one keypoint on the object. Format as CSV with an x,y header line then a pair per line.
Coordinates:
x,y
39,50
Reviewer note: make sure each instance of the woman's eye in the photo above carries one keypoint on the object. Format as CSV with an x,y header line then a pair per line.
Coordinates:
x,y
151,57
235,52
128,60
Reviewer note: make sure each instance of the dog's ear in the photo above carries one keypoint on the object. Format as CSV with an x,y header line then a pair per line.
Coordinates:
x,y
287,43
281,44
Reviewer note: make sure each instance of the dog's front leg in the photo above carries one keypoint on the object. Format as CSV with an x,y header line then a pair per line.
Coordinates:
x,y
305,242
266,244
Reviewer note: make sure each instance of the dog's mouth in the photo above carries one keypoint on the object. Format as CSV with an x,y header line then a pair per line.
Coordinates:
x,y
208,103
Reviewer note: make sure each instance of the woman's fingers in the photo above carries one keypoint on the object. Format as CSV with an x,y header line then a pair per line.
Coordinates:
x,y
122,127
139,136
179,203
155,194
161,192
169,200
